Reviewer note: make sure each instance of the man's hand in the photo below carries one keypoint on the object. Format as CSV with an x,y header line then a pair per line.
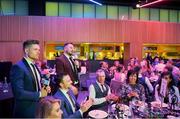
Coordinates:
x,y
112,97
45,90
86,105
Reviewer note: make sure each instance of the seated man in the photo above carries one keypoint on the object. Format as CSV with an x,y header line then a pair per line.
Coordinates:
x,y
69,105
100,92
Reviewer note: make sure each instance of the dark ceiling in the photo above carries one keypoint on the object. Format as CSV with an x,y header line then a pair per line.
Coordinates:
x,y
165,4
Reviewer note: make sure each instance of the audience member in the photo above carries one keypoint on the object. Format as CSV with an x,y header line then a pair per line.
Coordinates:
x,y
171,93
108,76
49,107
69,104
100,92
132,90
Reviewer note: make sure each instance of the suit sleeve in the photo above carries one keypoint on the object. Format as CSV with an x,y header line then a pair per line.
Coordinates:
x,y
59,66
17,76
66,109
76,114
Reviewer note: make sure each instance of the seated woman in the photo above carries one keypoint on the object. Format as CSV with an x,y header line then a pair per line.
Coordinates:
x,y
49,107
132,90
171,94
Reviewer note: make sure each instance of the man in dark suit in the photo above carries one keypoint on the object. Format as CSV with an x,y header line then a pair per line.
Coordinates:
x,y
69,105
108,75
25,80
66,64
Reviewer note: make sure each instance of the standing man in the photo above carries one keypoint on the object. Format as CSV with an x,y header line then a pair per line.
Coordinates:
x,y
66,64
25,80
69,104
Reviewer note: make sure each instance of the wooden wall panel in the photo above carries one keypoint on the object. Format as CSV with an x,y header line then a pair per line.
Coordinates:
x,y
11,51
16,29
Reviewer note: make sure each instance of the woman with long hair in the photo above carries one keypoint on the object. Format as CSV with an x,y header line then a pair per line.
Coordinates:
x,y
172,92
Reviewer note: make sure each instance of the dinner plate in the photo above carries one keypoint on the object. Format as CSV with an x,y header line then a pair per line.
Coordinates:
x,y
123,107
158,104
98,114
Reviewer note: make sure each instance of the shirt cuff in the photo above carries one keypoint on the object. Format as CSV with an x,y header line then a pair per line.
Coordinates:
x,y
81,112
39,94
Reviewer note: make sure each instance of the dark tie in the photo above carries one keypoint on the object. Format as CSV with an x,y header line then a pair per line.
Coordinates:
x,y
103,88
73,63
74,105
36,77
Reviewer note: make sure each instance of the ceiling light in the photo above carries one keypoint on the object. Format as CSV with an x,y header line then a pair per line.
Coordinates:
x,y
96,2
147,4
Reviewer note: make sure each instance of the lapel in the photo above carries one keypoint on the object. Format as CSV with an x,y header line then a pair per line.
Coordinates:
x,y
74,99
28,71
66,101
67,62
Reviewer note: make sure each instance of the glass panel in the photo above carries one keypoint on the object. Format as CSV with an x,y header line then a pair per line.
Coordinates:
x,y
89,11
100,11
144,14
77,10
51,8
134,14
21,7
123,12
154,14
112,12
179,16
7,7
173,16
164,15
65,9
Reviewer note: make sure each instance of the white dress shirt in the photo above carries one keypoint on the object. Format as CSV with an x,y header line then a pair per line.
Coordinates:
x,y
92,94
37,72
67,96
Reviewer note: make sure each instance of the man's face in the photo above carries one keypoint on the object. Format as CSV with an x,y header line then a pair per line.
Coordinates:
x,y
101,77
69,49
66,84
33,51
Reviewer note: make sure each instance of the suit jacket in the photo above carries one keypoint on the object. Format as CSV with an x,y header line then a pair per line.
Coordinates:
x,y
24,89
66,106
108,77
63,65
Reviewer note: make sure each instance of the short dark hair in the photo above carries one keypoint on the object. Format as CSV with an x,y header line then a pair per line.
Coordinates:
x,y
28,43
59,78
119,68
131,72
67,44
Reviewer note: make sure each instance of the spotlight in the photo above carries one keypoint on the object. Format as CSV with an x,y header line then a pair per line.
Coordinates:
x,y
148,3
